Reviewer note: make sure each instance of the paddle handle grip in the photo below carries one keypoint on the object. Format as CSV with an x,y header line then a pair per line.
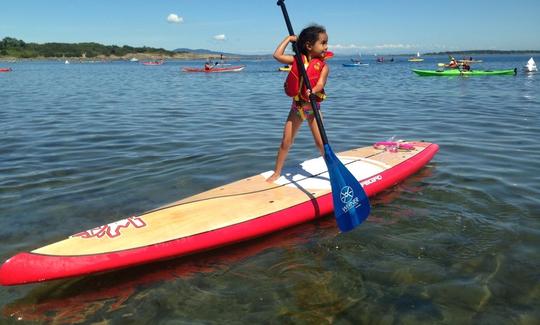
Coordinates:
x,y
302,69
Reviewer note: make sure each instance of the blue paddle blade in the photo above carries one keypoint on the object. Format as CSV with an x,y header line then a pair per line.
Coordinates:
x,y
351,204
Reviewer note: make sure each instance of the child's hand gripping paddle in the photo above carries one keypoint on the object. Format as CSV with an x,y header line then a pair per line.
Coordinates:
x,y
351,205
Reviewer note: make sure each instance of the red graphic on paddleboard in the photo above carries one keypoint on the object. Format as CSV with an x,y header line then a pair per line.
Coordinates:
x,y
112,230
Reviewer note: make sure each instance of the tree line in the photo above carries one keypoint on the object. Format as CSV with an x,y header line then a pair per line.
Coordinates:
x,y
12,47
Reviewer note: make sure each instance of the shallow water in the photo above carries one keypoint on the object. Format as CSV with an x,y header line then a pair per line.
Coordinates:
x,y
85,144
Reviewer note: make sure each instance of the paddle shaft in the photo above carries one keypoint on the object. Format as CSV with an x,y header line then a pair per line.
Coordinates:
x,y
351,205
302,69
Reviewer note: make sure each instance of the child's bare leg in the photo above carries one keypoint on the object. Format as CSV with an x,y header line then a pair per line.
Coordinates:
x,y
289,133
312,122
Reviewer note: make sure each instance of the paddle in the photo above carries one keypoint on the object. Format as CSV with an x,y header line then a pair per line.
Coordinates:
x,y
351,205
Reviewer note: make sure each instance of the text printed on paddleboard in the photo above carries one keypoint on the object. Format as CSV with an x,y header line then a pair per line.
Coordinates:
x,y
371,180
112,230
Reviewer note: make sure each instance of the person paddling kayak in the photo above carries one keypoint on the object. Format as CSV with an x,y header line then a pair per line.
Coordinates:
x,y
313,44
453,64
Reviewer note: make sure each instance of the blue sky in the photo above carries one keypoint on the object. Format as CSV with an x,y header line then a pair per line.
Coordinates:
x,y
256,26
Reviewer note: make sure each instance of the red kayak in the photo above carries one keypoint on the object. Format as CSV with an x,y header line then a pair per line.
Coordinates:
x,y
215,69
5,69
154,62
227,214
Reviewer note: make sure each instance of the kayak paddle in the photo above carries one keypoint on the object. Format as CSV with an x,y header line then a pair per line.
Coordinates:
x,y
351,205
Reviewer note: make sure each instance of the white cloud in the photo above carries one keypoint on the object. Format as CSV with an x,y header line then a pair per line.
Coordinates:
x,y
388,48
220,37
346,47
394,46
175,19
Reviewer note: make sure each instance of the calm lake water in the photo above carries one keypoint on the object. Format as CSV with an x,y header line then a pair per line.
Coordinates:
x,y
82,145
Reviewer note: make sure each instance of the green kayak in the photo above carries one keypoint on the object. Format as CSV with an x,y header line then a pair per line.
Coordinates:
x,y
456,72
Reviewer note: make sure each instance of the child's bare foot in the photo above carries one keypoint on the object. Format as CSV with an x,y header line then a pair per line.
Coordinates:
x,y
273,178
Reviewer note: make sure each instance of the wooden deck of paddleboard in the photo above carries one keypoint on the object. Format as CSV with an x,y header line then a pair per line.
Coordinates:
x,y
237,211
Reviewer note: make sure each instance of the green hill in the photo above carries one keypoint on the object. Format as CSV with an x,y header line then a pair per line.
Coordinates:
x,y
12,47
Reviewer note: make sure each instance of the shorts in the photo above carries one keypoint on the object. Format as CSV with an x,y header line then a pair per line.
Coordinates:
x,y
303,109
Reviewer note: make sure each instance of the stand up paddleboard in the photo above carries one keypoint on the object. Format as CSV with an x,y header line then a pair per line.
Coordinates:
x,y
228,214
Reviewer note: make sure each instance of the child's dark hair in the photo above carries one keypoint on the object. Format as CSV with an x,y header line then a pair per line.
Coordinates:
x,y
309,35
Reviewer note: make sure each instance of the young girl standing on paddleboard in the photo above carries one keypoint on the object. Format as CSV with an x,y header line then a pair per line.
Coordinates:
x,y
313,45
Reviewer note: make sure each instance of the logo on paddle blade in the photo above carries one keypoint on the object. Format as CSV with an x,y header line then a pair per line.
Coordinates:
x,y
346,194
348,199
112,230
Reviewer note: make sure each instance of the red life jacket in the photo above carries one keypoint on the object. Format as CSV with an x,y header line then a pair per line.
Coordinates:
x,y
294,85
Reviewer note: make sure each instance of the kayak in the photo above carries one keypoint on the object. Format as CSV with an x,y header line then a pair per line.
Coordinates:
x,y
415,60
5,69
153,62
214,69
285,69
232,213
355,64
457,72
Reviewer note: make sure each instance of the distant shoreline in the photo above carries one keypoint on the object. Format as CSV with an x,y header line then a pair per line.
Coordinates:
x,y
15,49
234,57
484,52
127,57
455,53
12,49
217,57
